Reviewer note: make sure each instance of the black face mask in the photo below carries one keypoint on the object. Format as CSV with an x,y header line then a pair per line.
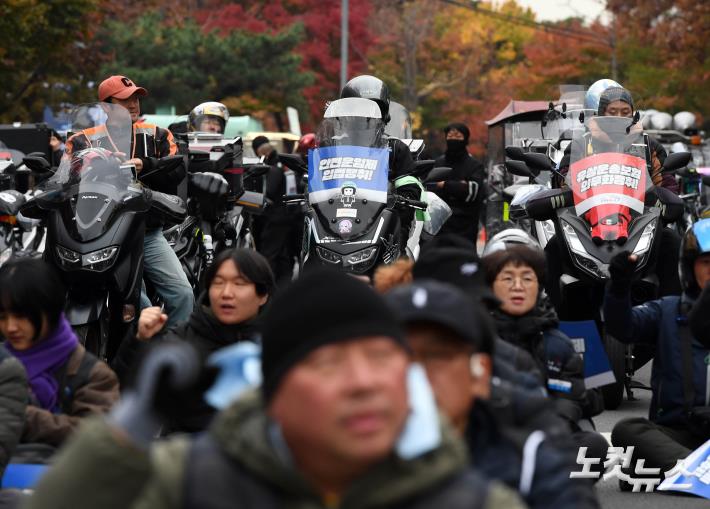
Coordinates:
x,y
455,147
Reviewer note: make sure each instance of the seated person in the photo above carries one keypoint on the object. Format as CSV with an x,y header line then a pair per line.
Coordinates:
x,y
66,382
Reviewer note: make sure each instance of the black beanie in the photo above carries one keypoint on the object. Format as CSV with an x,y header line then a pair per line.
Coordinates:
x,y
460,128
452,259
612,94
258,142
320,308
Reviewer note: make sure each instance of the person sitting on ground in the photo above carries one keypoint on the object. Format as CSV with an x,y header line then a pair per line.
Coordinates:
x,y
527,319
679,415
239,284
67,383
517,440
325,430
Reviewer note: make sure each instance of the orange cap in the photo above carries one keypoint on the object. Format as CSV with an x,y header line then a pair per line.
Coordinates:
x,y
119,87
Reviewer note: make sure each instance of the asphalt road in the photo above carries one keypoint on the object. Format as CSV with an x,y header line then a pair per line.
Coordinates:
x,y
609,494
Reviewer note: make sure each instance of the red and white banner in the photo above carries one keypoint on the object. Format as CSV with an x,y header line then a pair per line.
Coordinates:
x,y
609,179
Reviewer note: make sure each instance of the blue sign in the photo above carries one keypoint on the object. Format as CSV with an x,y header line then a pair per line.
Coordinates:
x,y
363,170
702,232
586,340
692,475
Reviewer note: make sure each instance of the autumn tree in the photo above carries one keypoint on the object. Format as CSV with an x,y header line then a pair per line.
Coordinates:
x,y
182,64
320,48
41,56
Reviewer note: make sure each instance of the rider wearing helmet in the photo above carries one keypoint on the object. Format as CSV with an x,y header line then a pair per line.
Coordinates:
x,y
401,163
679,416
370,87
209,117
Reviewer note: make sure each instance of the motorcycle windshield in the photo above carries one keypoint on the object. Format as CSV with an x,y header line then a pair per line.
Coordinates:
x,y
91,185
400,124
609,174
347,173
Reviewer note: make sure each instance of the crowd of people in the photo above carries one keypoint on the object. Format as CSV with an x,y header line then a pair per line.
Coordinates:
x,y
442,381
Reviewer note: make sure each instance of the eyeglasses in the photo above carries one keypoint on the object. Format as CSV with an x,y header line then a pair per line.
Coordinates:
x,y
526,281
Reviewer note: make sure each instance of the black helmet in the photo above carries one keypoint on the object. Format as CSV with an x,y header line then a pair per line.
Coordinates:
x,y
696,242
369,87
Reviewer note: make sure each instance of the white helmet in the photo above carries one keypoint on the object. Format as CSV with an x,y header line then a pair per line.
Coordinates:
x,y
594,92
212,109
661,121
646,117
683,120
509,237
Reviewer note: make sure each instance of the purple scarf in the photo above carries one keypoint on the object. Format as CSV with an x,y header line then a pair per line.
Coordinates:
x,y
45,357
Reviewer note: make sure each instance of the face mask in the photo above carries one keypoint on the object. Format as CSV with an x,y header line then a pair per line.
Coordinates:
x,y
422,431
454,146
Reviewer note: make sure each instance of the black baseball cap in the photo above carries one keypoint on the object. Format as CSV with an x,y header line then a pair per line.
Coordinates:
x,y
446,305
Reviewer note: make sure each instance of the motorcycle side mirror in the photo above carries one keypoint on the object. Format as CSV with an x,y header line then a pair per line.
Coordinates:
x,y
438,174
515,153
537,162
37,164
422,167
542,206
519,168
676,161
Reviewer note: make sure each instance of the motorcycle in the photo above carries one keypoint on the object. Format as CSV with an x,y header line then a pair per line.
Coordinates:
x,y
607,205
219,207
94,210
352,214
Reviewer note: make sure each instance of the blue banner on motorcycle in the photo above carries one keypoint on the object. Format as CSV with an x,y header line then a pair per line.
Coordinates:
x,y
586,340
360,169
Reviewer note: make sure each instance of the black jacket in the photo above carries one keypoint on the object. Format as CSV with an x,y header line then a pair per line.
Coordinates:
x,y
202,331
516,438
463,189
561,365
699,318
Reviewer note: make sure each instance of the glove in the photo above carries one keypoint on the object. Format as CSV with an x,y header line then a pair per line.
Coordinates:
x,y
411,191
621,270
169,378
210,183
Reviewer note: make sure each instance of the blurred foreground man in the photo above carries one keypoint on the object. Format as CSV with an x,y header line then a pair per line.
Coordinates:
x,y
329,428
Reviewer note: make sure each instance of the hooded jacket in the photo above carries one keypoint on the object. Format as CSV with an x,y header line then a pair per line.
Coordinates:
x,y
659,323
237,465
561,365
13,400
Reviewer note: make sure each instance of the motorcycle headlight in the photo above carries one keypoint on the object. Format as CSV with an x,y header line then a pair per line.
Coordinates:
x,y
360,257
328,256
580,254
68,258
101,259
